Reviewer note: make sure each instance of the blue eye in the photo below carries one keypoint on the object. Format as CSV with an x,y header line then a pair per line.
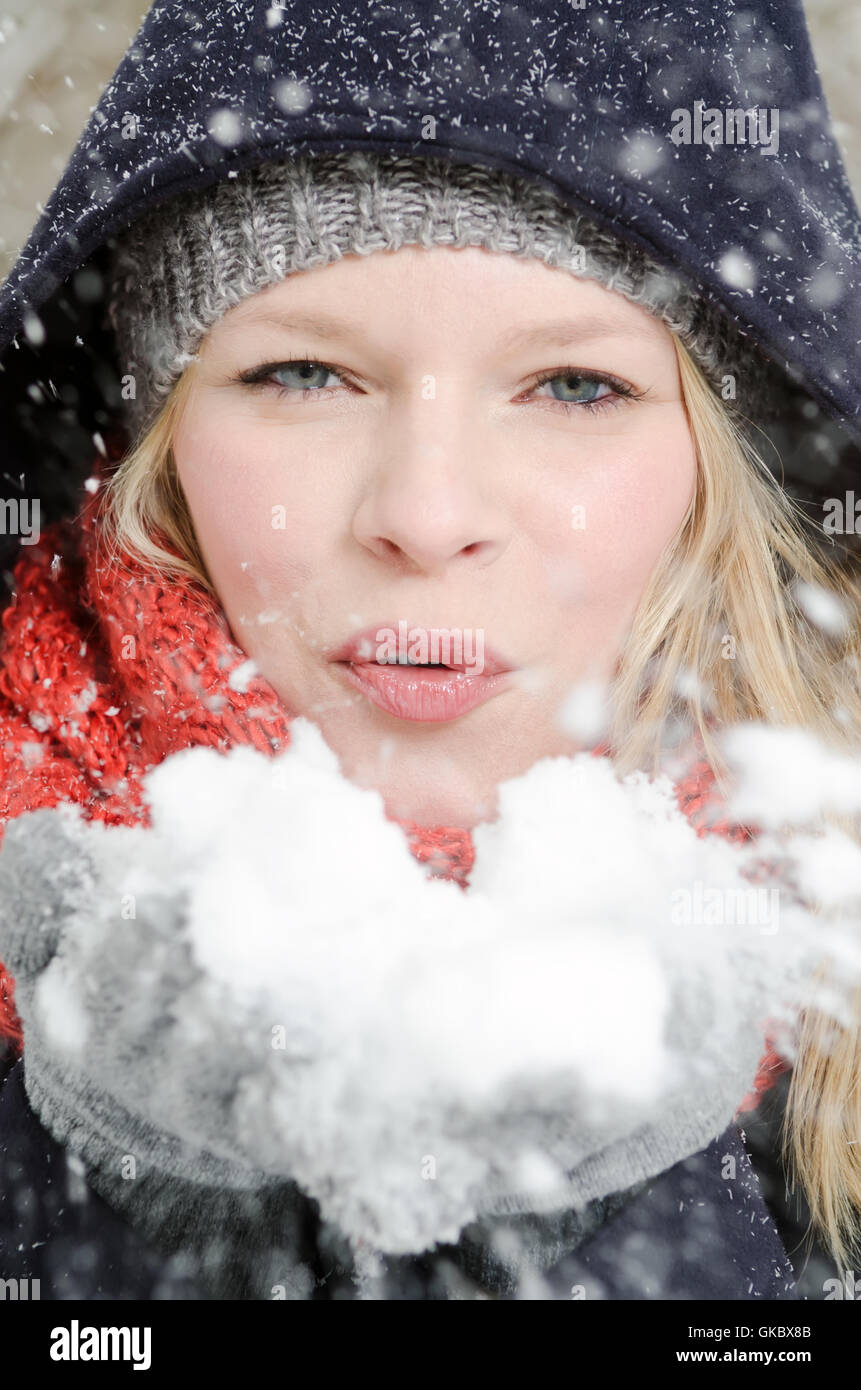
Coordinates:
x,y
305,375
580,389
308,376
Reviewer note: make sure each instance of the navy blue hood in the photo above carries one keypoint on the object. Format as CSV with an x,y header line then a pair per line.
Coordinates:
x,y
585,100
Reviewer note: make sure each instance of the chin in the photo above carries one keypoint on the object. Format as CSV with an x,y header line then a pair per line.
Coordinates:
x,y
437,805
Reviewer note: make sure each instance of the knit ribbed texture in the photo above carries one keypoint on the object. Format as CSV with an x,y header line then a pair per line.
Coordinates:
x,y
180,268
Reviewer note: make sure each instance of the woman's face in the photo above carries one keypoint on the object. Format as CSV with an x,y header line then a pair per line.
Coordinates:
x,y
465,443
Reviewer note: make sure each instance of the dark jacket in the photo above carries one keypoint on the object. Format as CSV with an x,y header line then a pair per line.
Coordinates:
x,y
691,1233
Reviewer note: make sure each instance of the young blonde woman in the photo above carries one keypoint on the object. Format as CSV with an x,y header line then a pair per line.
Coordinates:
x,y
527,385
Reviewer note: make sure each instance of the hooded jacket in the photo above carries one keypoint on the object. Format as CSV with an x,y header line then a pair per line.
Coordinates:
x,y
609,109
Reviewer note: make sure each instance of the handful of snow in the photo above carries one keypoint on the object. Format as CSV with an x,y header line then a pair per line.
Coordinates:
x,y
268,976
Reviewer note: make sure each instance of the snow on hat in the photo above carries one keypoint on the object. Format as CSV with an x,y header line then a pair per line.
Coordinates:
x,y
182,266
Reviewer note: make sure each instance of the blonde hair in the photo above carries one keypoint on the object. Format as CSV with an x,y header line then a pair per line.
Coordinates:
x,y
738,570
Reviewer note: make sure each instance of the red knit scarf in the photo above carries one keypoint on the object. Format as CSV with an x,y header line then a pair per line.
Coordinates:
x,y
107,668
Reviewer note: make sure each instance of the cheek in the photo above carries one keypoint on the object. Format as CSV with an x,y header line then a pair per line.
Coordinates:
x,y
620,507
259,530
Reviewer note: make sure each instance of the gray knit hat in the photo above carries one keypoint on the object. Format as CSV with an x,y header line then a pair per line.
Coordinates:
x,y
178,269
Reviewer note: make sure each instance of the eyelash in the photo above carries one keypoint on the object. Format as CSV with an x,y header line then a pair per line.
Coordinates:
x,y
620,390
259,376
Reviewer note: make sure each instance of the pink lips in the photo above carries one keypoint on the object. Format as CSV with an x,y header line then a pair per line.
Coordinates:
x,y
426,694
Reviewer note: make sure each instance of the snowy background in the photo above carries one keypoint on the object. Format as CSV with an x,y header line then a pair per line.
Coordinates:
x,y
55,59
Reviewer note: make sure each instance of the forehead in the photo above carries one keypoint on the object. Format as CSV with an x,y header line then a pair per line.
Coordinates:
x,y
522,301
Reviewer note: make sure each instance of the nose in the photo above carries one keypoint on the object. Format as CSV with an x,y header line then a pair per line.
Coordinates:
x,y
432,500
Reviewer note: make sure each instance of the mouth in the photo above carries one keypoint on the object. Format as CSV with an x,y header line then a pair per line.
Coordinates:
x,y
433,691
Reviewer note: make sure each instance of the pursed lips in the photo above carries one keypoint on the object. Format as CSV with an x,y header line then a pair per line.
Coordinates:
x,y
421,692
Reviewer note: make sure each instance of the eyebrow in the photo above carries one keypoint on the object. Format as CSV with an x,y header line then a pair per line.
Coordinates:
x,y
562,331
557,333
321,325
